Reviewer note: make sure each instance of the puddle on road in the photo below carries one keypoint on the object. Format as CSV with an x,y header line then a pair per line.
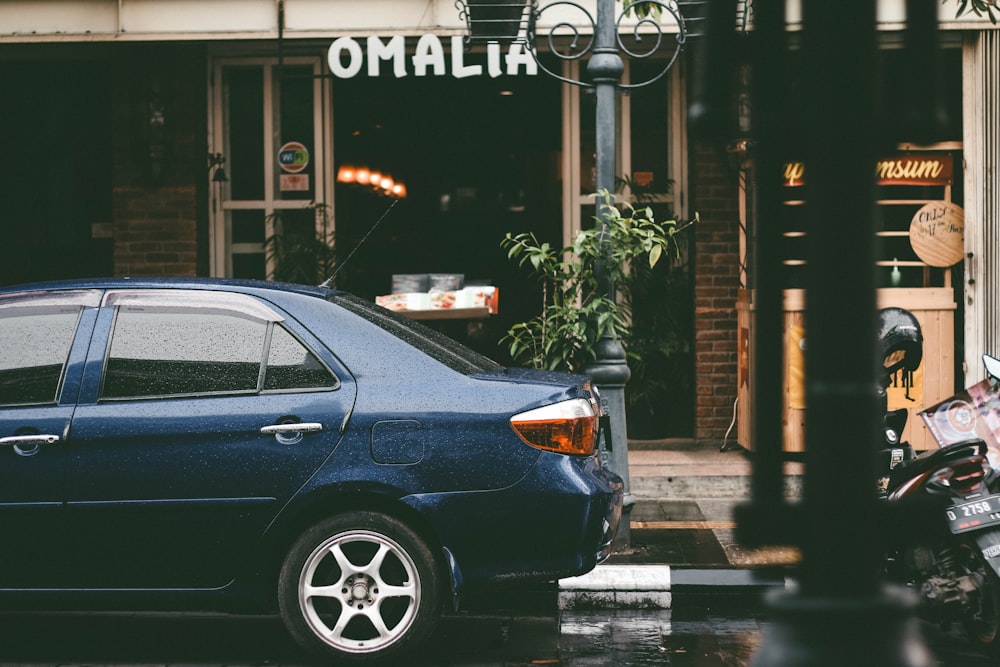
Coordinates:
x,y
636,638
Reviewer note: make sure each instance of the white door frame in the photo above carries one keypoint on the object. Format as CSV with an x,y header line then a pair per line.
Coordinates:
x,y
221,247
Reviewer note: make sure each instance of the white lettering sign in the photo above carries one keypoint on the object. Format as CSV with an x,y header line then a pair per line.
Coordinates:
x,y
429,53
347,58
395,51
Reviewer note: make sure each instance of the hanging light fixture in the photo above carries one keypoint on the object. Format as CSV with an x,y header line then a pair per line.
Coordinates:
x,y
381,183
346,174
215,166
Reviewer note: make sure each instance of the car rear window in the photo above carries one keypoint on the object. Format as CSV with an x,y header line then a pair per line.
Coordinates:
x,y
433,343
36,333
33,351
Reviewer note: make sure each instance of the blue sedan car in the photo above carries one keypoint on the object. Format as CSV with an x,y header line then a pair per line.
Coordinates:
x,y
254,446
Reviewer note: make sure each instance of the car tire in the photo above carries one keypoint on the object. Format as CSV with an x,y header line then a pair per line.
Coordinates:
x,y
359,587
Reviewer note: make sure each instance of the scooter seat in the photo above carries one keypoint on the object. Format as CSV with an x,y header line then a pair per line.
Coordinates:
x,y
935,458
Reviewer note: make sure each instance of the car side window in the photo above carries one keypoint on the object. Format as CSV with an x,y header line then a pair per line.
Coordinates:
x,y
175,351
34,346
291,365
158,351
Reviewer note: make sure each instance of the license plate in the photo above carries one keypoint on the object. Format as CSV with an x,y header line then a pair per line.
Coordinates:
x,y
974,514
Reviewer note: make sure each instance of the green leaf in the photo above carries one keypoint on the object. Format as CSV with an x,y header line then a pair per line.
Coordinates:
x,y
575,314
654,255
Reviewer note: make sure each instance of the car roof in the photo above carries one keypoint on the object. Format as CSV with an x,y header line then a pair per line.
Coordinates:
x,y
170,282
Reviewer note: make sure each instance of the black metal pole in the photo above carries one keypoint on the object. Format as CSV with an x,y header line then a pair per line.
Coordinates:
x,y
610,370
842,614
769,108
841,381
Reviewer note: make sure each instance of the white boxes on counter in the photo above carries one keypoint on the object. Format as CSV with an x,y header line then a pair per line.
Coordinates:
x,y
474,296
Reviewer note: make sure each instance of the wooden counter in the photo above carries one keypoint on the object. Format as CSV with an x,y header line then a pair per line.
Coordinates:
x,y
477,313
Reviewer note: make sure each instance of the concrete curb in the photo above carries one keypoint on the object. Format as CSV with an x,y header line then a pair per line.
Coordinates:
x,y
618,587
654,586
687,486
682,485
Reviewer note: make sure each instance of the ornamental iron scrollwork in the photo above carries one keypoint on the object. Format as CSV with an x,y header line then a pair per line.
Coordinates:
x,y
643,29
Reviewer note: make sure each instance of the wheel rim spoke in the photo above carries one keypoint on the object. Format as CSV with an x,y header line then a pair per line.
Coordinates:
x,y
407,591
374,566
346,566
375,616
347,610
337,631
331,591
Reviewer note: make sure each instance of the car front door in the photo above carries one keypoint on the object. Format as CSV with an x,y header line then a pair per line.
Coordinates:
x,y
202,414
43,342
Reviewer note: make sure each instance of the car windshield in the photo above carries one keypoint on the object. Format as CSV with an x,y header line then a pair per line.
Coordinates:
x,y
434,344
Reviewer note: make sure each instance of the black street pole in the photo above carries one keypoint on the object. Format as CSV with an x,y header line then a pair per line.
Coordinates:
x,y
843,613
568,43
610,369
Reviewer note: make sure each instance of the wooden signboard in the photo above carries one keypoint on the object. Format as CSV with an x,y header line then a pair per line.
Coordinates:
x,y
937,233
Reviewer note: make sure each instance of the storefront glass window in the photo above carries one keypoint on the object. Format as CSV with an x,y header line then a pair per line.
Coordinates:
x,y
249,265
588,142
650,130
245,118
295,133
248,226
645,157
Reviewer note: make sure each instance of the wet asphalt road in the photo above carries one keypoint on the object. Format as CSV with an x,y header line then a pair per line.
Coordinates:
x,y
578,639
697,638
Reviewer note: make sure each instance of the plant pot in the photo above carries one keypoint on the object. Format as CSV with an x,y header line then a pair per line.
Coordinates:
x,y
494,20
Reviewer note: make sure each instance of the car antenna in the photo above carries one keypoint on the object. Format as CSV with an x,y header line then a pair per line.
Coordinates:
x,y
329,281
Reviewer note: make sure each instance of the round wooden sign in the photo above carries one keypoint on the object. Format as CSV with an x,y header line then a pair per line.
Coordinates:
x,y
937,233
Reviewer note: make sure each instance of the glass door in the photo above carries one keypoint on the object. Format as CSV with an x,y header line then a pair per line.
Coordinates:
x,y
270,138
651,147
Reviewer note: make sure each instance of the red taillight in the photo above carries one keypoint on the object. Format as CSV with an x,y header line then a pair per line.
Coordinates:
x,y
569,427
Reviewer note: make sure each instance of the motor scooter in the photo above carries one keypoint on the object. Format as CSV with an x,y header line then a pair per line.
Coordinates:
x,y
943,535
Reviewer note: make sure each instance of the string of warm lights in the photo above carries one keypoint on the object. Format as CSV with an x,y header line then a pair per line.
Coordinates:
x,y
382,183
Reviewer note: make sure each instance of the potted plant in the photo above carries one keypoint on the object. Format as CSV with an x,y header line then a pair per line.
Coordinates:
x,y
301,248
494,19
575,312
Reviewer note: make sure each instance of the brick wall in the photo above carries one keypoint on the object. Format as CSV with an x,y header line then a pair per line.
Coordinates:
x,y
159,172
714,190
155,231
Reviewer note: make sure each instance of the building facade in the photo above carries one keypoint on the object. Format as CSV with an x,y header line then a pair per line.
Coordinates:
x,y
148,137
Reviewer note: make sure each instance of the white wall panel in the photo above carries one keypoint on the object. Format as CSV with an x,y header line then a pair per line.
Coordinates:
x,y
198,16
89,20
378,16
981,105
50,17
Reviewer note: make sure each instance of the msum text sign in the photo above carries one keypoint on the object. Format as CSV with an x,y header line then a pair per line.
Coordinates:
x,y
903,169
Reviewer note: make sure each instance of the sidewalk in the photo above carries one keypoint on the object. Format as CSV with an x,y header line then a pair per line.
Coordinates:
x,y
683,532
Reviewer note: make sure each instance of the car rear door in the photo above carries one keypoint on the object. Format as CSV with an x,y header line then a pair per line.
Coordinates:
x,y
43,342
202,414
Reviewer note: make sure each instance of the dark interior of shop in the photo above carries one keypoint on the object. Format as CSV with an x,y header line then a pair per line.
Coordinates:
x,y
479,158
56,172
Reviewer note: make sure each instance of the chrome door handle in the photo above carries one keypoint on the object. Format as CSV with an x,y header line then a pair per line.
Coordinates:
x,y
28,445
45,439
305,427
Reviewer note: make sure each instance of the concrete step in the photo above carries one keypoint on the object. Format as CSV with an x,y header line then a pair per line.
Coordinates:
x,y
682,469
